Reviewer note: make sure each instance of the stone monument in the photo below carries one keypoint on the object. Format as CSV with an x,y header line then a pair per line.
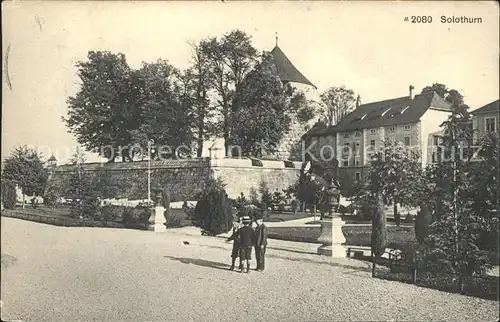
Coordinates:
x,y
331,237
157,219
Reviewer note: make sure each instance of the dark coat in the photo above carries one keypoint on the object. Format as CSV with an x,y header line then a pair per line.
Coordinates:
x,y
260,236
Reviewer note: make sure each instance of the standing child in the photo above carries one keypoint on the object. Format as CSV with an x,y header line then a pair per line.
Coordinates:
x,y
246,234
235,253
260,244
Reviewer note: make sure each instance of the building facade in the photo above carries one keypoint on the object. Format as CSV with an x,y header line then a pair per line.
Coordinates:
x,y
409,119
486,119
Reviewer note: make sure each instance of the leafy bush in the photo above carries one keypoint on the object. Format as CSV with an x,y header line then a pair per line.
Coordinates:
x,y
51,197
128,216
256,163
213,211
143,216
422,223
111,212
174,220
9,196
279,201
254,197
241,201
266,198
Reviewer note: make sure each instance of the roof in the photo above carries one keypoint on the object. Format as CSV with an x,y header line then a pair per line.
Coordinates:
x,y
286,70
388,112
52,158
492,107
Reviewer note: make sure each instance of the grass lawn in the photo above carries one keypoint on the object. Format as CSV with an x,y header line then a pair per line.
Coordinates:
x,y
354,235
285,216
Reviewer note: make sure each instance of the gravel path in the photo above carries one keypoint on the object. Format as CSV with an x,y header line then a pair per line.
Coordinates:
x,y
66,274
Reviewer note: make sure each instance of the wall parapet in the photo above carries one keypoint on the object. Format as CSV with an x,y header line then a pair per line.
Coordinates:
x,y
139,165
246,163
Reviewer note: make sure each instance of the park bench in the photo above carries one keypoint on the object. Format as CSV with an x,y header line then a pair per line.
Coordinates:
x,y
357,250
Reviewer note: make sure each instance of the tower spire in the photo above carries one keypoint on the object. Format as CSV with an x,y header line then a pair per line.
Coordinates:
x,y
276,38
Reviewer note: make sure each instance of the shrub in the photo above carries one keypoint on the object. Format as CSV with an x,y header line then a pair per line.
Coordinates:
x,y
422,223
254,197
51,197
174,220
241,201
9,196
128,216
213,211
266,198
256,163
111,212
143,217
379,230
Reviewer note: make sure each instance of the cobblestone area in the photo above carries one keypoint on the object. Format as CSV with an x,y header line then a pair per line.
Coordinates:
x,y
56,273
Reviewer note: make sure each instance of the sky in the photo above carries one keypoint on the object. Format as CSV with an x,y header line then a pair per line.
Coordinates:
x,y
365,46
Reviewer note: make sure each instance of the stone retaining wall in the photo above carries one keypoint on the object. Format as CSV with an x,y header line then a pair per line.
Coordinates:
x,y
184,179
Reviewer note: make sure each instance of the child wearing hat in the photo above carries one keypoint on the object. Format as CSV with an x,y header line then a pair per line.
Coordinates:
x,y
235,253
245,235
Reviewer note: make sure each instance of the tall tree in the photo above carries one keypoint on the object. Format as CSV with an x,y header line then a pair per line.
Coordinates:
x,y
104,110
196,84
230,58
401,175
25,168
78,156
166,116
259,118
454,240
337,102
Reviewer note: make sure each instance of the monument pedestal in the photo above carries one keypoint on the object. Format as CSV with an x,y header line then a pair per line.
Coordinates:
x,y
157,220
332,238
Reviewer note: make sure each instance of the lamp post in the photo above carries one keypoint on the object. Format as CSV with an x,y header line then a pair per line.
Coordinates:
x,y
149,168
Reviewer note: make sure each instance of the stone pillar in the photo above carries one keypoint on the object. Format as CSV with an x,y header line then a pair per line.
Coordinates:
x,y
159,219
338,239
332,238
325,238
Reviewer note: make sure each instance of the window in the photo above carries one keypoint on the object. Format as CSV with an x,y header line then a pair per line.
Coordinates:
x,y
373,131
407,127
372,143
489,124
346,135
435,140
345,163
358,133
357,176
356,161
345,150
356,148
392,129
407,140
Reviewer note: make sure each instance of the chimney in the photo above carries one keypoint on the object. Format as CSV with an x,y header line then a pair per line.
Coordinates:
x,y
358,101
412,96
